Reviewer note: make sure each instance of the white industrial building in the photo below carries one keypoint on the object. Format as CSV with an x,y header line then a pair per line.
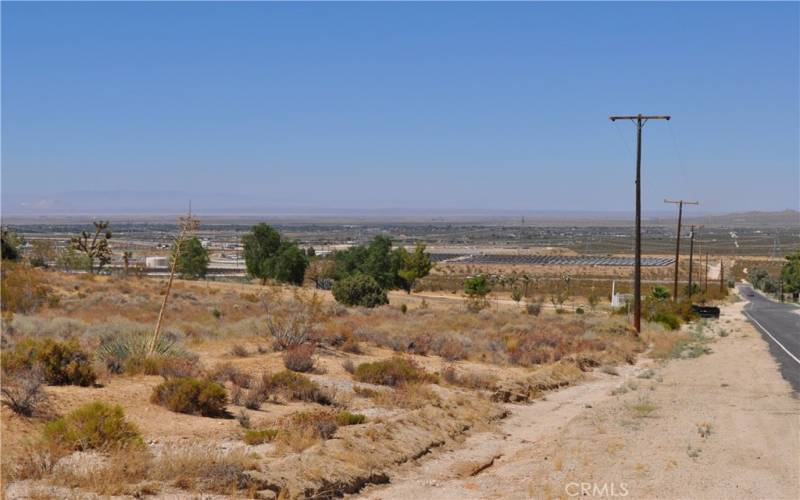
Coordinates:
x,y
156,262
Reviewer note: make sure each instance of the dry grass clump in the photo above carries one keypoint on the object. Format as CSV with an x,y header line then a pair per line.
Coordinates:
x,y
293,386
470,379
259,436
394,371
93,426
299,358
192,396
60,363
139,473
410,396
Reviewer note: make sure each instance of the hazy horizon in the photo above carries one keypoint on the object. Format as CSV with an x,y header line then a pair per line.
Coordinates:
x,y
412,107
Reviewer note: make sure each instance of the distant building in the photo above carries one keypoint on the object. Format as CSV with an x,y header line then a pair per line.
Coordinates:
x,y
156,262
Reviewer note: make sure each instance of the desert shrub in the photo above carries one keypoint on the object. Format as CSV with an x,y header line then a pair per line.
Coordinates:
x,y
254,398
392,372
239,351
22,288
227,372
345,418
668,319
348,366
579,310
290,331
294,386
534,308
94,425
23,392
452,348
299,358
352,346
61,363
322,422
259,436
551,342
359,290
191,395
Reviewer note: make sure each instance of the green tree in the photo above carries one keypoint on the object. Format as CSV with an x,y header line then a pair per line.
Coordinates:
x,y
289,264
790,273
192,260
413,266
260,247
476,286
10,243
268,256
359,290
95,246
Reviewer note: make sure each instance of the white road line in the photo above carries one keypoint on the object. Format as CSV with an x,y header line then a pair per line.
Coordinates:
x,y
770,336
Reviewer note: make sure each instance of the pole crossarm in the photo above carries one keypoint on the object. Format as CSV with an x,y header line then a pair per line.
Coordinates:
x,y
639,117
681,201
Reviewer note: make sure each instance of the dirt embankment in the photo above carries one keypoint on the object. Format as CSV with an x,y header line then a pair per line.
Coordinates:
x,y
722,425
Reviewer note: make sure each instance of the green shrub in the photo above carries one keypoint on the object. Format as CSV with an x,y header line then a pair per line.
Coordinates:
x,y
579,310
95,425
670,320
61,363
392,372
260,436
345,418
359,290
476,286
191,395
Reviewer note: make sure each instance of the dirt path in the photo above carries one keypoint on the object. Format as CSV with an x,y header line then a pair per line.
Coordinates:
x,y
723,425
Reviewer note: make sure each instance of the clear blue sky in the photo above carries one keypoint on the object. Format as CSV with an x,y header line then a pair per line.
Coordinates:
x,y
444,106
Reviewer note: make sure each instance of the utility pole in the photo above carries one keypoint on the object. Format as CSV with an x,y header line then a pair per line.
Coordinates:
x,y
691,260
680,204
639,120
705,284
721,276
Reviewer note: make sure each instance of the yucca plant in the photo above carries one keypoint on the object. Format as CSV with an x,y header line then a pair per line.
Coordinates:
x,y
128,353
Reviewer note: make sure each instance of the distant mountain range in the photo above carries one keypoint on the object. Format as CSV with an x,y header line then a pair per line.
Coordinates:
x,y
164,205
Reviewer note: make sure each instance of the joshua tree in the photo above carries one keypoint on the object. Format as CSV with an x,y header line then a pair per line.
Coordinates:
x,y
126,260
186,224
95,246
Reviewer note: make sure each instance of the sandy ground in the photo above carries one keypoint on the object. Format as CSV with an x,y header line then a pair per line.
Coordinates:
x,y
723,425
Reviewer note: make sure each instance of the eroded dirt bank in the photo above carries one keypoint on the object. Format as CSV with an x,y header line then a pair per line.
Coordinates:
x,y
720,425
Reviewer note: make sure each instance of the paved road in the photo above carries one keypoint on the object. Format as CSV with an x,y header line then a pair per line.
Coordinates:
x,y
779,324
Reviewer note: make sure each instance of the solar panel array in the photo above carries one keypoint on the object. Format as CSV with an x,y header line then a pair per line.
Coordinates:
x,y
549,260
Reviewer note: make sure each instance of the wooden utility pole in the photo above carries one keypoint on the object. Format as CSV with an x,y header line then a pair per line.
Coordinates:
x,y
680,204
691,261
639,120
705,283
721,276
